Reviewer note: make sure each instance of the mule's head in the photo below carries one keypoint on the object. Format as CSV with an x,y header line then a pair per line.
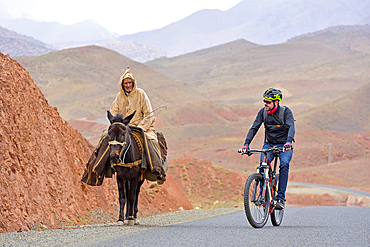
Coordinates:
x,y
118,133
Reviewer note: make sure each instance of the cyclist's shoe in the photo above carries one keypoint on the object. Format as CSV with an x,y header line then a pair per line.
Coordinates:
x,y
279,205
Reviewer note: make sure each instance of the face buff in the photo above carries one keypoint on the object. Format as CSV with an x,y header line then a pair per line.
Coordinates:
x,y
273,110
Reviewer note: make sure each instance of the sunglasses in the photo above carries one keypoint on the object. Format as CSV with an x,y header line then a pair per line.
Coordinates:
x,y
267,101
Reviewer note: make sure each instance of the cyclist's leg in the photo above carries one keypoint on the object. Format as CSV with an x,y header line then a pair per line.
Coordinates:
x,y
285,159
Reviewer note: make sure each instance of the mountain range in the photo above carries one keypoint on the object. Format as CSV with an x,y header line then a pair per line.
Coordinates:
x,y
263,22
234,73
260,22
218,86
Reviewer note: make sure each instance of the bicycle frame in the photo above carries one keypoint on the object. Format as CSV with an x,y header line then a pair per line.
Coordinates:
x,y
265,169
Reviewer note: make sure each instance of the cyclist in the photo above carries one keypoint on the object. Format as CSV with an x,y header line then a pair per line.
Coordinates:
x,y
279,131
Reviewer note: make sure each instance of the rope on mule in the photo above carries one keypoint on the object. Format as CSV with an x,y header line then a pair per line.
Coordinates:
x,y
132,164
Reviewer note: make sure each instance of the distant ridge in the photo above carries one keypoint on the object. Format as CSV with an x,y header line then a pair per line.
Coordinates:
x,y
16,44
82,33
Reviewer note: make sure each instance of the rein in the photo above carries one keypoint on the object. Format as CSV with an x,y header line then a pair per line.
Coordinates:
x,y
148,114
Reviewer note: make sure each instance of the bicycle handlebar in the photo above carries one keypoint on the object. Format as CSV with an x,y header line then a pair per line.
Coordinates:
x,y
275,150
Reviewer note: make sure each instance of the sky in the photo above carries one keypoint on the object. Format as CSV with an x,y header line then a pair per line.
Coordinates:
x,y
119,16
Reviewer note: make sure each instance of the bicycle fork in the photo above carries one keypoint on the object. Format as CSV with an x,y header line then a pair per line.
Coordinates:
x,y
266,184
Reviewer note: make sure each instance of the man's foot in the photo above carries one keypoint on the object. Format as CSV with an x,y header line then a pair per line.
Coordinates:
x,y
161,178
279,205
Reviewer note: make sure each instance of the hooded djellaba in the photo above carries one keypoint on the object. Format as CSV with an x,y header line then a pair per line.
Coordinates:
x,y
127,103
136,100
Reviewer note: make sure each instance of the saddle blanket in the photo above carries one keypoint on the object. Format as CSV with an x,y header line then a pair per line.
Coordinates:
x,y
99,165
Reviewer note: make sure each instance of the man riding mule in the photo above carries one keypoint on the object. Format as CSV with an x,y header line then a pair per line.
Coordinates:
x,y
129,147
132,99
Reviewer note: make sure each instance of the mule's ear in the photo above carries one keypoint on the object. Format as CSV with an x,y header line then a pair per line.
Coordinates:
x,y
110,116
127,119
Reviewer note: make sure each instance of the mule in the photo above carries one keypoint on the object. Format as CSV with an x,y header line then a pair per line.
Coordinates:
x,y
125,156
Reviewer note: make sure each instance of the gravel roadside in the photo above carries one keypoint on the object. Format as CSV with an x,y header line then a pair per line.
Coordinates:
x,y
74,236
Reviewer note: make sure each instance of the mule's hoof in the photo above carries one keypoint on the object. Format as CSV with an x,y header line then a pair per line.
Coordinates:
x,y
131,222
120,223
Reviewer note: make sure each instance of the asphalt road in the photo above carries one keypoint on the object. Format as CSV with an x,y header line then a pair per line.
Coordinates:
x,y
341,189
311,226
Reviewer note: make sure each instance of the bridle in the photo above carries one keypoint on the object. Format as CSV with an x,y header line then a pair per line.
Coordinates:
x,y
123,144
115,142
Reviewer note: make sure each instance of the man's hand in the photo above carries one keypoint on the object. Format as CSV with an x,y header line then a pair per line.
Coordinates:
x,y
243,150
287,146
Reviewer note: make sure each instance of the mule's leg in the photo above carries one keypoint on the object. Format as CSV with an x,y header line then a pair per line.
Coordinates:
x,y
131,201
136,210
127,195
122,198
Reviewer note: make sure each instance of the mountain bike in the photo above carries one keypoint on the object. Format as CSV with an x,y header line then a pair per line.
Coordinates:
x,y
260,191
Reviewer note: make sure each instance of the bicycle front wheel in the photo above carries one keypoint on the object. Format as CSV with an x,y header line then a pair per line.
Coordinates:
x,y
276,215
256,206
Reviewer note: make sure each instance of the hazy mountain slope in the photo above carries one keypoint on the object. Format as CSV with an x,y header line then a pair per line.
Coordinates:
x,y
309,72
365,21
83,81
347,114
205,54
262,22
56,34
16,44
138,53
351,39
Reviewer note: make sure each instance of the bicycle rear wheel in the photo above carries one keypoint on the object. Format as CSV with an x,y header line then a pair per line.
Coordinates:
x,y
256,207
276,215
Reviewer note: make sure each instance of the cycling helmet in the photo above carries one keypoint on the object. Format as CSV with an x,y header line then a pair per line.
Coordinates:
x,y
273,94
